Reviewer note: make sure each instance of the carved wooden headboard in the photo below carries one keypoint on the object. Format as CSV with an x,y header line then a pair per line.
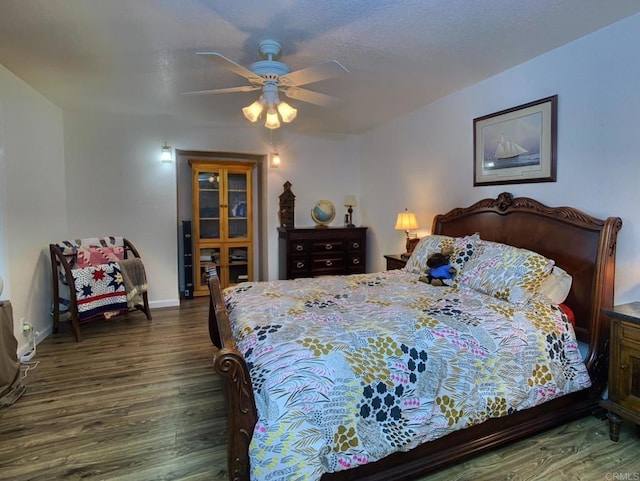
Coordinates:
x,y
582,245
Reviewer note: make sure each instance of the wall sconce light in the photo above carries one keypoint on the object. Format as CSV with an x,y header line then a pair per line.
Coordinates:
x,y
407,221
274,159
166,156
350,203
274,156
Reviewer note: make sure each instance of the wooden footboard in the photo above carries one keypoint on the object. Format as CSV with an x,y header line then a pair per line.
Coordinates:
x,y
584,246
229,363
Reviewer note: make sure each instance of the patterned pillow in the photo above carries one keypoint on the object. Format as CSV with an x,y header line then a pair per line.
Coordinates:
x,y
417,263
463,248
505,272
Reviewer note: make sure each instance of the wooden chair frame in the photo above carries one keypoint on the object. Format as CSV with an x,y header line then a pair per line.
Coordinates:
x,y
60,263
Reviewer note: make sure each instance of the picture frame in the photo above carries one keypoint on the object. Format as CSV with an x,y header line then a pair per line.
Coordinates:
x,y
516,145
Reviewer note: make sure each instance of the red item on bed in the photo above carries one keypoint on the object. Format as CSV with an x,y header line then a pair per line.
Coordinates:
x,y
569,313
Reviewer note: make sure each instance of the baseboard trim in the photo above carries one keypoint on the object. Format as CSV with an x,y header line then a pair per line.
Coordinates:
x,y
165,303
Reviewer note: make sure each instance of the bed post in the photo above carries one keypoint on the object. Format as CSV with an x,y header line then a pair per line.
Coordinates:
x,y
597,359
59,261
229,363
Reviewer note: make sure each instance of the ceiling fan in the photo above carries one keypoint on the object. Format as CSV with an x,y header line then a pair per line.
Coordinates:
x,y
272,76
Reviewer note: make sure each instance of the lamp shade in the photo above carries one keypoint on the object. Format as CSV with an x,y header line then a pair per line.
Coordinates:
x,y
272,121
406,221
252,112
350,200
287,112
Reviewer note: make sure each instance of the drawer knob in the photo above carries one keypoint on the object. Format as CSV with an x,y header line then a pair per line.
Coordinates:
x,y
356,245
328,263
623,366
328,247
300,265
356,261
299,247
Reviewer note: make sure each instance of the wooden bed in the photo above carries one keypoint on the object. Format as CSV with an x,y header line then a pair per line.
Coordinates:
x,y
582,245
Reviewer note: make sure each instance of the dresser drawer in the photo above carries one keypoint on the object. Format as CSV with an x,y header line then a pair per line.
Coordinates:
x,y
327,262
299,248
355,262
355,245
321,251
299,264
327,246
630,331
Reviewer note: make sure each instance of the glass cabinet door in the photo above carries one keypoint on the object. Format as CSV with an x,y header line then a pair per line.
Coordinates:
x,y
209,204
238,226
209,257
223,223
238,264
231,264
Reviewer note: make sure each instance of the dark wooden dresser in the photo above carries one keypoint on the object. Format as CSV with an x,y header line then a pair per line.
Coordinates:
x,y
321,251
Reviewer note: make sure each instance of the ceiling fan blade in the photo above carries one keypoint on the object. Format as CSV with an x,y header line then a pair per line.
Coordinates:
x,y
246,88
314,73
231,65
311,97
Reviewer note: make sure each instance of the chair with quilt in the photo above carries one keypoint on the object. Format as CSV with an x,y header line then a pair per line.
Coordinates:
x,y
96,277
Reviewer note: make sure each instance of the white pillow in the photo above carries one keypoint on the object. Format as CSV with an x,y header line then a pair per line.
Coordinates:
x,y
556,286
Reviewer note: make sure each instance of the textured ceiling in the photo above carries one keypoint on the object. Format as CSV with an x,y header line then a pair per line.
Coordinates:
x,y
137,56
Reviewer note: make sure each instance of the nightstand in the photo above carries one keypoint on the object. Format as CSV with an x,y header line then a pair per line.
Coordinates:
x,y
395,261
624,367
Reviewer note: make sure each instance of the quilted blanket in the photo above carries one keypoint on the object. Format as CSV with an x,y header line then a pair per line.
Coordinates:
x,y
99,290
349,369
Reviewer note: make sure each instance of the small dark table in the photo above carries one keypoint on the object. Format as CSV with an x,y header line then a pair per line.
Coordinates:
x,y
624,367
395,261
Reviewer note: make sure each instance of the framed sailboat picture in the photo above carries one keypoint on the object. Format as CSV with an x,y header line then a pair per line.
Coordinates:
x,y
516,145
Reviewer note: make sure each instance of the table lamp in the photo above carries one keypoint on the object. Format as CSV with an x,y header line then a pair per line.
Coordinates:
x,y
350,203
406,221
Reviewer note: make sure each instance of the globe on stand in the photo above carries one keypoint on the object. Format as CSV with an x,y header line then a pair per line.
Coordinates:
x,y
323,213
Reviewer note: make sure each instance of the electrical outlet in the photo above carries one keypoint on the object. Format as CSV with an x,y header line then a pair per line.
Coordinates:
x,y
26,327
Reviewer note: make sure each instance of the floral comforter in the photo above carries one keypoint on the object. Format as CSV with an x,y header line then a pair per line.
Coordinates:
x,y
349,369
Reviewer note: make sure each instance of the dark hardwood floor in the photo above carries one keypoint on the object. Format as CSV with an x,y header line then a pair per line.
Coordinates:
x,y
138,400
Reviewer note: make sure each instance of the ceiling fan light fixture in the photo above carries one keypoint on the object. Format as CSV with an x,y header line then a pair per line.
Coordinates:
x,y
271,76
287,112
273,122
252,112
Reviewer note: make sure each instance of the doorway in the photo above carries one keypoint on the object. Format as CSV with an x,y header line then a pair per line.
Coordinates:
x,y
185,206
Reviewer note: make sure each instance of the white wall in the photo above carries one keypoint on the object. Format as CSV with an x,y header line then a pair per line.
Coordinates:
x,y
118,186
106,177
32,200
424,160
